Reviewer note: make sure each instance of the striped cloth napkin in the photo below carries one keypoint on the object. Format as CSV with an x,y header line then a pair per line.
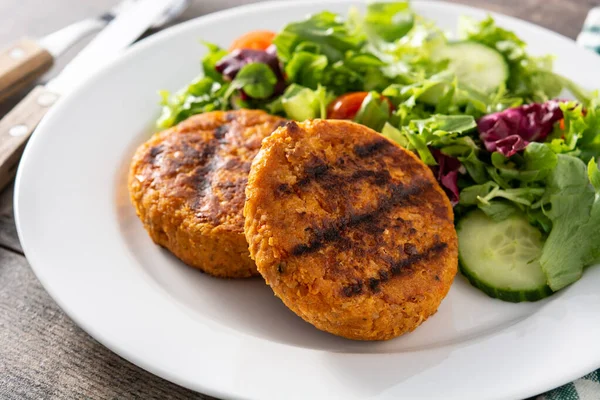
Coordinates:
x,y
588,387
590,34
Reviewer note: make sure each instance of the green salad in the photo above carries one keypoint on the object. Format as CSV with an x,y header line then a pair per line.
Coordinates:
x,y
515,157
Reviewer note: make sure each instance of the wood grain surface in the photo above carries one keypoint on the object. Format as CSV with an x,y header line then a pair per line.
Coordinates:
x,y
17,126
43,354
21,64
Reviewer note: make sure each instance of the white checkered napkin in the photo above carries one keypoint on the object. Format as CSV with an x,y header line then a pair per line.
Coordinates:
x,y
590,34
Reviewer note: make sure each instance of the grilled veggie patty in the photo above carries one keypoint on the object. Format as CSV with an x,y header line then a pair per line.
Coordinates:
x,y
187,185
351,231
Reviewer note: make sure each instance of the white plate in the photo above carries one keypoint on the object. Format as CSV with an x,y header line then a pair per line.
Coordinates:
x,y
233,338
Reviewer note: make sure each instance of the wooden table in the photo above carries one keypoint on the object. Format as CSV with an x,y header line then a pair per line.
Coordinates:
x,y
43,354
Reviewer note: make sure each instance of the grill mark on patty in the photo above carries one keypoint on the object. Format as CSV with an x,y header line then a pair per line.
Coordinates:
x,y
203,159
156,150
154,155
220,132
283,189
206,163
318,171
395,269
369,149
369,221
203,163
235,164
185,157
208,189
353,288
314,169
232,190
374,285
380,178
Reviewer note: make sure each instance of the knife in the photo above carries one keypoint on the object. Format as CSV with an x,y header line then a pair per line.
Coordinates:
x,y
19,123
26,60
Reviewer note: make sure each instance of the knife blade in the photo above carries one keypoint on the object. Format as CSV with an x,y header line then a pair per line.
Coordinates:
x,y
26,60
121,32
17,126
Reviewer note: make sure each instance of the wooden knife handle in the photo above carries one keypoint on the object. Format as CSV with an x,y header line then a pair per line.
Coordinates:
x,y
17,126
21,64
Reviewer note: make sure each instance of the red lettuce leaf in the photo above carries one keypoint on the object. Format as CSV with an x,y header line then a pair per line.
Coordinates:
x,y
511,130
233,62
446,172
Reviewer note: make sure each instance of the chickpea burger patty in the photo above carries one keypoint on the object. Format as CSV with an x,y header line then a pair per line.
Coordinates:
x,y
352,232
187,185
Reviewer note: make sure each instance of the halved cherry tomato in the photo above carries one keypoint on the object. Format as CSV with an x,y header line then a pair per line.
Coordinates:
x,y
255,40
347,105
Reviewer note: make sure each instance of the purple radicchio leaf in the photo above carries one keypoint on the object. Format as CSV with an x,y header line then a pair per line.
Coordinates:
x,y
446,172
511,130
231,64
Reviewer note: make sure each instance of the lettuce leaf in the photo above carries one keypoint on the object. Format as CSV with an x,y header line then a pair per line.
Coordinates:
x,y
256,79
301,103
481,195
535,165
581,134
324,50
323,33
531,78
389,21
211,59
374,111
202,95
306,69
574,209
439,131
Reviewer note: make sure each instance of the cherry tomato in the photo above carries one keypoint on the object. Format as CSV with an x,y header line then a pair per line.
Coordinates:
x,y
255,40
347,105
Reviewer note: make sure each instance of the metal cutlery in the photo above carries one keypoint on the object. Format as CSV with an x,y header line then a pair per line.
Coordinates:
x,y
122,30
24,61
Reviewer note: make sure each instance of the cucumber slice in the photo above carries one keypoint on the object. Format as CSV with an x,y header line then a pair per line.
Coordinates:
x,y
502,258
474,64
